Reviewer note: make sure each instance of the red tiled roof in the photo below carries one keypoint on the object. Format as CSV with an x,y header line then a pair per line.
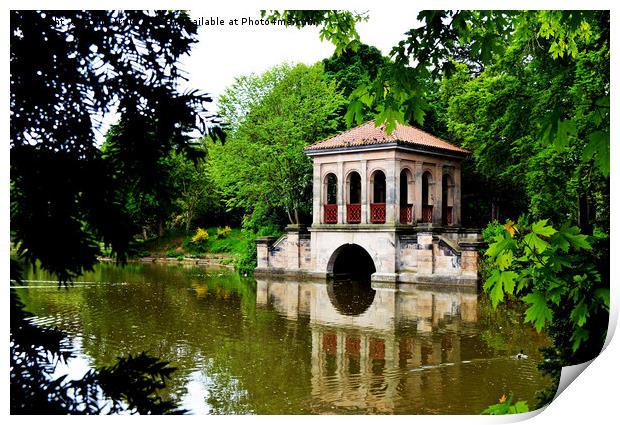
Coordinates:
x,y
367,134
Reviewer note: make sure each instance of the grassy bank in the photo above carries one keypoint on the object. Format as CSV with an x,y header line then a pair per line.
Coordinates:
x,y
226,244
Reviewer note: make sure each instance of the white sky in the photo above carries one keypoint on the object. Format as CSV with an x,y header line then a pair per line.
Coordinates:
x,y
225,52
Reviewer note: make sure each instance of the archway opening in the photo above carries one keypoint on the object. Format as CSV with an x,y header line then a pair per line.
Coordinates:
x,y
354,198
332,189
349,289
378,185
330,199
351,261
447,200
377,206
406,205
427,208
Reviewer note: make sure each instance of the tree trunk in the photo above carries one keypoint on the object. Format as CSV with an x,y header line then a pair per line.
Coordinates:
x,y
188,223
290,219
296,216
161,228
144,235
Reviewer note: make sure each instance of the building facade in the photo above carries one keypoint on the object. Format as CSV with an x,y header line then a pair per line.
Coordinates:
x,y
385,204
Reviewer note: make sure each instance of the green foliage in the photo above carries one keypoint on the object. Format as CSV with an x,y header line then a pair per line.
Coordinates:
x,y
263,167
550,270
338,26
66,196
200,236
526,91
223,233
246,261
505,407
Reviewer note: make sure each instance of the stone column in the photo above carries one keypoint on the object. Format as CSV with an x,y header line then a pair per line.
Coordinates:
x,y
437,205
292,245
425,253
396,191
364,191
340,193
262,251
317,187
417,189
390,183
469,263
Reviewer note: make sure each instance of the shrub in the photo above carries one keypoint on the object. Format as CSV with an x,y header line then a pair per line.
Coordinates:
x,y
223,233
246,262
201,236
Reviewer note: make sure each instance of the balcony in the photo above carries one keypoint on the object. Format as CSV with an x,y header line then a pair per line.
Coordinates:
x,y
330,213
377,213
406,214
447,217
427,213
354,213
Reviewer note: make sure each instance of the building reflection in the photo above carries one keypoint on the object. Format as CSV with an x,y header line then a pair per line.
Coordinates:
x,y
365,360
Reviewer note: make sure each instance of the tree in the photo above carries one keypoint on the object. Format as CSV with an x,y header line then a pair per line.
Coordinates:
x,y
477,39
195,193
68,69
353,68
263,165
528,93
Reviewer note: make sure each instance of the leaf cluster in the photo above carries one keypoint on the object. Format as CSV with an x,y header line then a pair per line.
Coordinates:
x,y
550,270
506,407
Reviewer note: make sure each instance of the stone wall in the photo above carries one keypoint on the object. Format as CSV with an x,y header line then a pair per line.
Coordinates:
x,y
420,255
290,253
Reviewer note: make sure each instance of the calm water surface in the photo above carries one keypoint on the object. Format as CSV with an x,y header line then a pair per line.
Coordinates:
x,y
284,347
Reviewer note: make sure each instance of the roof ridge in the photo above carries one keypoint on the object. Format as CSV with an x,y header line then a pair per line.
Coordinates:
x,y
368,133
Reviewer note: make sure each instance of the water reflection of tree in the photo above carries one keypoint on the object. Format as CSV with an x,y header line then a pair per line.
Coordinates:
x,y
504,331
248,352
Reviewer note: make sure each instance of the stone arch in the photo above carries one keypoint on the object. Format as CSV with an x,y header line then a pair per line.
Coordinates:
x,y
330,189
427,196
353,260
378,186
353,193
406,196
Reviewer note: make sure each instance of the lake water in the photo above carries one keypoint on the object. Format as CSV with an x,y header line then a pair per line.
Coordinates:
x,y
284,347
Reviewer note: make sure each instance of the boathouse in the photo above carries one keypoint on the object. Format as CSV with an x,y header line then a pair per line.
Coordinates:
x,y
386,206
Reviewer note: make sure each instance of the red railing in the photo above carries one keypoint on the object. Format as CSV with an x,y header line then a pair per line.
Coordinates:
x,y
406,214
330,213
427,213
377,213
354,213
447,219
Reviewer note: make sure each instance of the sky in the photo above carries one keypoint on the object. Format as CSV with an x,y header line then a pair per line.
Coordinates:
x,y
224,52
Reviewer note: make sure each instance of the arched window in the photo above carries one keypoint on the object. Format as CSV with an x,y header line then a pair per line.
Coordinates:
x,y
378,187
354,198
331,194
427,207
406,201
330,199
377,206
447,199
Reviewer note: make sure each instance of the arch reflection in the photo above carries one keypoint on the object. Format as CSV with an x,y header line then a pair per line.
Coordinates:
x,y
363,360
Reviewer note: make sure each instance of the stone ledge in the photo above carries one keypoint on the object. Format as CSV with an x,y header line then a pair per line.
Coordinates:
x,y
279,272
439,280
384,277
